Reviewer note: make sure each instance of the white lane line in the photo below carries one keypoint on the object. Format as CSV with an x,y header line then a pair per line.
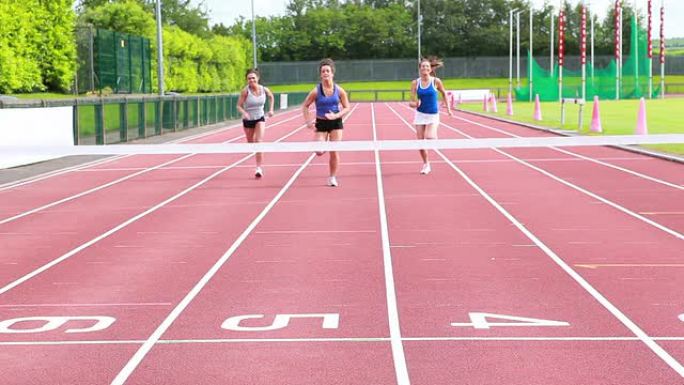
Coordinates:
x,y
109,184
130,366
115,229
80,167
87,304
580,189
345,340
617,313
635,173
313,231
139,355
400,368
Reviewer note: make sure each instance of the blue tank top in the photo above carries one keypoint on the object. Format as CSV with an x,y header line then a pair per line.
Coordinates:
x,y
427,97
325,104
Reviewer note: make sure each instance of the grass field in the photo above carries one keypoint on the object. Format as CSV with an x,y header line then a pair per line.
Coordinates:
x,y
617,117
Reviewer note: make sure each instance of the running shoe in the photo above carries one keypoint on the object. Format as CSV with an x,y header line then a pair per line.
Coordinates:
x,y
426,169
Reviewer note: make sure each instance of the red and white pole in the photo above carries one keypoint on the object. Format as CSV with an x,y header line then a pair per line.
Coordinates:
x,y
650,49
662,49
561,51
583,49
618,47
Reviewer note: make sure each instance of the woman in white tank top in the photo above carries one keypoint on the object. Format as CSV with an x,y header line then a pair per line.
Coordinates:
x,y
251,105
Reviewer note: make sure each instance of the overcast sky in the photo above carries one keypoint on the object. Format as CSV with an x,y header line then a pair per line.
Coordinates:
x,y
226,12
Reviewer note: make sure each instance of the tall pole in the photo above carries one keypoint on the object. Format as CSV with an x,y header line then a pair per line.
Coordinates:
x,y
510,51
650,49
561,51
419,23
254,43
621,44
618,47
662,49
583,49
517,36
530,75
160,51
635,54
553,32
593,64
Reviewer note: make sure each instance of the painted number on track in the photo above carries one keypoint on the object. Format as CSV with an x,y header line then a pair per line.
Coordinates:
x,y
46,324
481,321
330,321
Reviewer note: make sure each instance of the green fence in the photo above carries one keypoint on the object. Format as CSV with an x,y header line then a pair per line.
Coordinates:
x,y
116,60
122,119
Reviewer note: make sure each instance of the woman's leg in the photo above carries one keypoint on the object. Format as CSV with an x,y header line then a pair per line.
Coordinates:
x,y
335,136
320,136
420,134
257,137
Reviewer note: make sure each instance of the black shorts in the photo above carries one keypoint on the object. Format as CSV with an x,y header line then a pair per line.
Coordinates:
x,y
252,123
325,125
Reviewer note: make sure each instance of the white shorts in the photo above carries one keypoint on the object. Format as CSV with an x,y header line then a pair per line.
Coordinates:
x,y
425,119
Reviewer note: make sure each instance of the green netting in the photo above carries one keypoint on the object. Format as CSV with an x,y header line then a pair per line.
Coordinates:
x,y
122,62
600,82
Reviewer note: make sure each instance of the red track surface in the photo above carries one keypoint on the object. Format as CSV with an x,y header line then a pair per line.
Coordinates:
x,y
542,233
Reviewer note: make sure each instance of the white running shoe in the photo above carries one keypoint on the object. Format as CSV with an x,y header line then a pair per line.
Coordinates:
x,y
426,169
258,173
332,182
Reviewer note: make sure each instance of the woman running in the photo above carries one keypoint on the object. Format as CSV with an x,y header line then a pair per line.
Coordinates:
x,y
328,96
251,105
424,98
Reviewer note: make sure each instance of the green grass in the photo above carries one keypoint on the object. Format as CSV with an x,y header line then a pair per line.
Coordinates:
x,y
617,117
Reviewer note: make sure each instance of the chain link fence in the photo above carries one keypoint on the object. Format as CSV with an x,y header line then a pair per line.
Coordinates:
x,y
116,60
406,69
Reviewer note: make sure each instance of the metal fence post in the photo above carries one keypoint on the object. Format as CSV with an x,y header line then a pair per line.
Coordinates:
x,y
123,121
142,118
99,123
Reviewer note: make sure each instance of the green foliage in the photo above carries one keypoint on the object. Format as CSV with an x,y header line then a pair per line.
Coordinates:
x,y
193,64
127,16
37,49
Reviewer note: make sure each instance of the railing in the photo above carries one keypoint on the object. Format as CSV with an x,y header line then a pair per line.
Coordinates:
x,y
122,119
499,92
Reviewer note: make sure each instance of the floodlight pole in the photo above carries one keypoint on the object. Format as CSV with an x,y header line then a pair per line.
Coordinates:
x,y
551,68
419,25
510,51
254,42
531,60
160,51
517,34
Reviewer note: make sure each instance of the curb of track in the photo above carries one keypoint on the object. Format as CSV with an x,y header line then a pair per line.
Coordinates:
x,y
669,157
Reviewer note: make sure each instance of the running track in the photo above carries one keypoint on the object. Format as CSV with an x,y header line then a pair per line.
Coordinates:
x,y
523,266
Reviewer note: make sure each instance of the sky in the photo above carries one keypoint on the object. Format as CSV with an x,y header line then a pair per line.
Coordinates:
x,y
226,12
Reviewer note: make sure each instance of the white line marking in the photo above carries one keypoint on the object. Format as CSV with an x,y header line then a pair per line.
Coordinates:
x,y
313,231
137,358
88,304
66,256
637,174
400,368
578,188
175,313
645,338
349,339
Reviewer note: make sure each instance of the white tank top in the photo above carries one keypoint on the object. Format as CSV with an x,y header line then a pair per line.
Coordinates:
x,y
254,105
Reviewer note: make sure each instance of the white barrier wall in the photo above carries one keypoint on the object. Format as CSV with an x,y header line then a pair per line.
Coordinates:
x,y
283,101
34,127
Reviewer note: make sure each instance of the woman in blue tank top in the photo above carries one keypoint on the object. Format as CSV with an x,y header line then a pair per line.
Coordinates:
x,y
424,98
328,96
